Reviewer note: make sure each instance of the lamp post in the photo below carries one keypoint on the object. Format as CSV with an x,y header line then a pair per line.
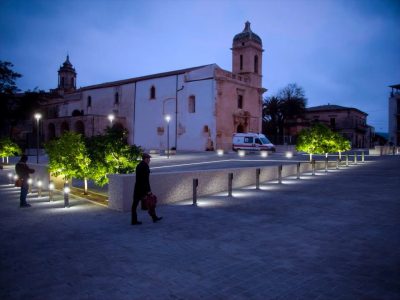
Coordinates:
x,y
111,117
37,117
167,118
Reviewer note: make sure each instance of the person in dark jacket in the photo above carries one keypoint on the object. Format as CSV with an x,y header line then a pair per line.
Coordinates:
x,y
142,189
23,171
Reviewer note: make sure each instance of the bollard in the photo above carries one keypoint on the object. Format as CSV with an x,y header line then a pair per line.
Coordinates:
x,y
347,160
280,174
337,163
39,185
258,172
362,156
230,180
313,167
326,165
355,157
195,185
51,190
10,177
30,181
298,170
66,195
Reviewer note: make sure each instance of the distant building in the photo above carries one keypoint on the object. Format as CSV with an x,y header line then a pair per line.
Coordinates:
x,y
348,121
394,115
206,103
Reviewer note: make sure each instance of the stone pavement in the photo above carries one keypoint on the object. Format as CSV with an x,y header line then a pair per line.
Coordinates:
x,y
330,236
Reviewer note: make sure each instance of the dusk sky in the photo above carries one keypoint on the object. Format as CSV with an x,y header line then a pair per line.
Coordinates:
x,y
341,52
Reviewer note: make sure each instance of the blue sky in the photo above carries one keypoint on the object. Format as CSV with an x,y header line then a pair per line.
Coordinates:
x,y
341,52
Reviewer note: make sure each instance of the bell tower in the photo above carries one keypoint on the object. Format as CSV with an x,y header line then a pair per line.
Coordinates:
x,y
66,77
247,55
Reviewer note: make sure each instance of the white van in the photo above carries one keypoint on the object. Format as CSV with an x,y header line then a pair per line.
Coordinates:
x,y
251,141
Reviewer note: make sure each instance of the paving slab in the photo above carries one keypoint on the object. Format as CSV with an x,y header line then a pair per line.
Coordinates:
x,y
329,236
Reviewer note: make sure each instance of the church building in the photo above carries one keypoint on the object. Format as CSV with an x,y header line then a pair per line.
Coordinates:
x,y
205,104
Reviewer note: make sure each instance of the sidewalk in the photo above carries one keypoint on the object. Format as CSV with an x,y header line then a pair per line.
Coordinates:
x,y
330,236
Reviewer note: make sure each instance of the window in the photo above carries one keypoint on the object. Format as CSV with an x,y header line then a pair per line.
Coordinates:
x,y
192,104
240,101
248,140
153,92
256,64
241,62
258,141
116,98
62,81
89,101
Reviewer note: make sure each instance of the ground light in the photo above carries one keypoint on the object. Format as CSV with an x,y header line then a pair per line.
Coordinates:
x,y
264,153
39,185
67,190
10,178
30,185
241,153
220,152
289,154
51,190
15,178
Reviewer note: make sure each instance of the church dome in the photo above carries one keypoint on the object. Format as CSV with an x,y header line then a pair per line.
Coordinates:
x,y
67,66
247,35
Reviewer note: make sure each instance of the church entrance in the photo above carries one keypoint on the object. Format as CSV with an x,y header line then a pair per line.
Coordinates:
x,y
240,129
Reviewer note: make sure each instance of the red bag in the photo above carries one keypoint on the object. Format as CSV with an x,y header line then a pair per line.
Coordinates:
x,y
18,182
151,201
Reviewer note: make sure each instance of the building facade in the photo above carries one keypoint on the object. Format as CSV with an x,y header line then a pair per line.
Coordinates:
x,y
206,104
394,115
348,121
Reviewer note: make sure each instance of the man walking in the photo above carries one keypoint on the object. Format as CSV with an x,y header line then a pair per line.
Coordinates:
x,y
23,171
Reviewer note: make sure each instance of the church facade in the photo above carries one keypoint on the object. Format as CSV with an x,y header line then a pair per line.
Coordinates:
x,y
205,104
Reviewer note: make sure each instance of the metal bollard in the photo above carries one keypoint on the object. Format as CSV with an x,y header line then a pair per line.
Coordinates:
x,y
298,170
347,160
355,157
195,185
326,165
362,156
258,172
66,195
51,191
280,174
313,166
39,185
337,163
230,180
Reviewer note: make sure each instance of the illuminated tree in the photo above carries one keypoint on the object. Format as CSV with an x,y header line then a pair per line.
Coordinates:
x,y
315,140
110,153
8,148
342,144
68,157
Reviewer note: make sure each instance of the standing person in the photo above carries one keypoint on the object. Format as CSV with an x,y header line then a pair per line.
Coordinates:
x,y
142,189
23,171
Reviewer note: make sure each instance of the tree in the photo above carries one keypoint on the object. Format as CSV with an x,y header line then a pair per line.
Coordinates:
x,y
68,157
8,148
8,89
315,140
342,144
281,111
110,153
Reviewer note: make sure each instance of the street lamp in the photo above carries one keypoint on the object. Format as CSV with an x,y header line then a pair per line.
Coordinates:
x,y
37,117
168,118
111,117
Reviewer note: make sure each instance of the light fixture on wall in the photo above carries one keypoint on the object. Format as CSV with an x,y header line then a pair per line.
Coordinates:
x,y
168,119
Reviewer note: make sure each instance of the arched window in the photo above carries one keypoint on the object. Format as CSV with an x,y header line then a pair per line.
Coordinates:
x,y
240,101
72,82
89,101
256,64
116,98
153,92
62,81
64,127
192,104
241,62
80,127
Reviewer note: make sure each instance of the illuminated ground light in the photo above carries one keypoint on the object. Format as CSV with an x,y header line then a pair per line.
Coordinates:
x,y
269,187
264,153
289,154
241,153
220,152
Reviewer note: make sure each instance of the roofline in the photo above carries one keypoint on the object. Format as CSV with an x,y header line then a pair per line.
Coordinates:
x,y
141,78
337,109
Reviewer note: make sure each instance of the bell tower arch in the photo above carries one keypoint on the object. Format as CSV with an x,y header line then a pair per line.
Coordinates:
x,y
67,77
247,54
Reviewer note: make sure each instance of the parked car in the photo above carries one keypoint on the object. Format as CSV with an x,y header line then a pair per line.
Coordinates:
x,y
252,142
